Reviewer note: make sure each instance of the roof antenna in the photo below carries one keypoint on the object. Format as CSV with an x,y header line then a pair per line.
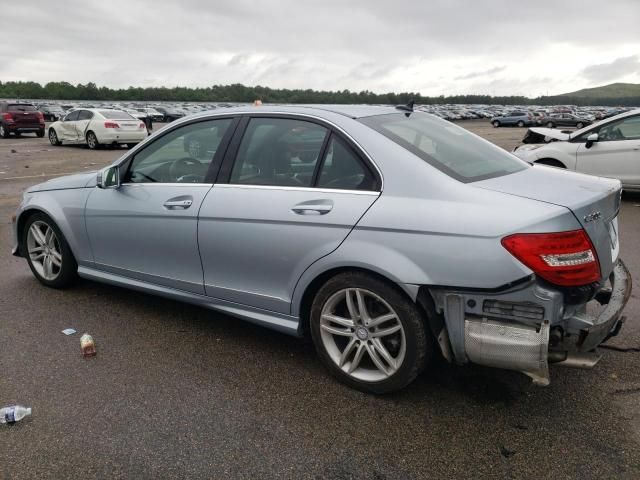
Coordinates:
x,y
408,108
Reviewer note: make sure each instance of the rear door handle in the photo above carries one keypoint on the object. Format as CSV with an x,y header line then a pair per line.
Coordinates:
x,y
313,207
178,203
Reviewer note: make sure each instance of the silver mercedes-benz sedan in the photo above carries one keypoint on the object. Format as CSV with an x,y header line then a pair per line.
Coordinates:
x,y
386,235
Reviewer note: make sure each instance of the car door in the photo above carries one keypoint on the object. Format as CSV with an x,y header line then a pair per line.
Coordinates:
x,y
66,130
271,213
82,125
146,229
616,154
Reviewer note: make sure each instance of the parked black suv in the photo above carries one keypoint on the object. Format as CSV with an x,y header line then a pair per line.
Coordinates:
x,y
18,118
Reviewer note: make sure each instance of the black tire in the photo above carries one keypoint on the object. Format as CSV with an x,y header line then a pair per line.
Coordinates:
x,y
92,141
53,138
550,125
579,125
40,133
68,272
495,124
521,124
4,132
418,341
551,162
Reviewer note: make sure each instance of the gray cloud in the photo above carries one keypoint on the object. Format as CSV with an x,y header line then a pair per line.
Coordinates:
x,y
606,72
491,71
325,44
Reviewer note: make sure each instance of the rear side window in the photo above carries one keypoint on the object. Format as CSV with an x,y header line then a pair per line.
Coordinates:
x,y
116,115
21,108
343,169
278,152
447,147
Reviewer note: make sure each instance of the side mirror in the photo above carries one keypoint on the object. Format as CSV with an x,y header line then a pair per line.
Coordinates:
x,y
591,139
108,177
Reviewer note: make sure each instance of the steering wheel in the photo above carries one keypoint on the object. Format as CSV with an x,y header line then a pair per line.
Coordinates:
x,y
178,167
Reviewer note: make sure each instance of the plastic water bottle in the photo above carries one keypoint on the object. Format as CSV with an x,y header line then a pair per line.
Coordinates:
x,y
13,414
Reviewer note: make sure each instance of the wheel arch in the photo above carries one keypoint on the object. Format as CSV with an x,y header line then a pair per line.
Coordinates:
x,y
414,293
552,162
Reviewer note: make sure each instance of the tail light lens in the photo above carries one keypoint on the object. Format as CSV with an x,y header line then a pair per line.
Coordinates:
x,y
111,125
567,259
40,116
7,116
142,125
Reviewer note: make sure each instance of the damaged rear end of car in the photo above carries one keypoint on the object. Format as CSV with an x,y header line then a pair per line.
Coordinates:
x,y
573,299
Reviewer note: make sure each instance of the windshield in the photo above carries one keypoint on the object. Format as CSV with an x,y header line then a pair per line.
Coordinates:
x,y
447,147
116,115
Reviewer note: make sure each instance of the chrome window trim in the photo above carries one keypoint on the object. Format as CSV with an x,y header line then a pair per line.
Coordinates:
x,y
168,184
186,120
295,189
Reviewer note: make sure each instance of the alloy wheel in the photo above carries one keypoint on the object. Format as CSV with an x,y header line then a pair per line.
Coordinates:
x,y
362,334
92,141
44,250
53,138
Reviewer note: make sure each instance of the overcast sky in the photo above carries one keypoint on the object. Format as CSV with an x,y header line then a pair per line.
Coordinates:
x,y
430,46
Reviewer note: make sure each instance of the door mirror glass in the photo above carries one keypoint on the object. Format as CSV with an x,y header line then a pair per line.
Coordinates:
x,y
108,177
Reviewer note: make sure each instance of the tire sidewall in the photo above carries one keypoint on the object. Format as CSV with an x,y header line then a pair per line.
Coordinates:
x,y
418,344
69,269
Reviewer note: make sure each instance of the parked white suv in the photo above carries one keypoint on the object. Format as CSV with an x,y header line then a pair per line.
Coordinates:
x,y
610,148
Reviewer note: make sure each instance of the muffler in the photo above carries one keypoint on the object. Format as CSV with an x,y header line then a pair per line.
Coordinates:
x,y
510,346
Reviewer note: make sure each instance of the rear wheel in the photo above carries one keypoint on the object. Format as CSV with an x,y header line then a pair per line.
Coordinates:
x,y
550,125
92,141
496,124
579,125
4,133
53,138
368,334
40,133
521,124
48,253
131,145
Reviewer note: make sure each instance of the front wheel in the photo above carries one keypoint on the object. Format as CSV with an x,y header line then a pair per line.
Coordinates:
x,y
550,125
53,138
368,334
521,124
496,124
579,125
48,253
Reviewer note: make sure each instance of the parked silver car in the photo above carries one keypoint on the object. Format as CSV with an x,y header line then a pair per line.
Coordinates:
x,y
387,235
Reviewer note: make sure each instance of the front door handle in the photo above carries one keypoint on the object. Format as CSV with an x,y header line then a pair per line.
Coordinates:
x,y
178,203
313,207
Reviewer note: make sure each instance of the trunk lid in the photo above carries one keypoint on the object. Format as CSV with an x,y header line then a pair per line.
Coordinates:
x,y
595,202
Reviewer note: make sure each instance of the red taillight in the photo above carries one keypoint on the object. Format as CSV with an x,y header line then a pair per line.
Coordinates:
x,y
40,116
111,125
142,125
567,259
7,116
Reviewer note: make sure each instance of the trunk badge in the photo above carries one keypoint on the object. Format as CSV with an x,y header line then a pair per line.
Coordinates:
x,y
592,217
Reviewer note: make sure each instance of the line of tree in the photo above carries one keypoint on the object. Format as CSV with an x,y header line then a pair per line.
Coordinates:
x,y
242,93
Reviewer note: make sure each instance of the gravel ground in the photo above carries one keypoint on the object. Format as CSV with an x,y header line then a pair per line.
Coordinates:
x,y
181,392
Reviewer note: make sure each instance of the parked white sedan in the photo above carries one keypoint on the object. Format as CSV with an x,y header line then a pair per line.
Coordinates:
x,y
95,127
610,148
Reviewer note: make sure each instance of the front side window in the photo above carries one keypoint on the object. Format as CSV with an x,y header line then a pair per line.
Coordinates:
x,y
182,155
278,152
72,117
447,147
85,115
625,129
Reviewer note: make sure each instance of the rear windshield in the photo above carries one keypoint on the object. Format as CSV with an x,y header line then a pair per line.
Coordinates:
x,y
21,108
116,115
447,147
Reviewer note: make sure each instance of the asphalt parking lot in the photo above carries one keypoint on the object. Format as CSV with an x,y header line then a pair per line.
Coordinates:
x,y
178,391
